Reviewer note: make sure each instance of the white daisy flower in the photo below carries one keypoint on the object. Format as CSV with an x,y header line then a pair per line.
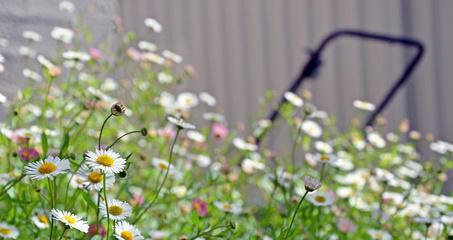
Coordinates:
x,y
76,55
32,36
47,168
66,6
118,210
207,98
26,52
203,160
62,34
325,158
107,161
196,136
127,231
323,147
311,128
31,75
70,220
163,165
164,77
147,46
251,165
179,191
41,220
93,179
293,99
3,99
152,57
213,117
153,24
172,56
228,207
187,100
364,105
8,231
319,198
376,140
180,123
379,234
243,145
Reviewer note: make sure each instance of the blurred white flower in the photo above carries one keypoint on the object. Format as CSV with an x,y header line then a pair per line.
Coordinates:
x,y
187,100
376,140
31,36
364,105
207,98
164,77
293,99
196,136
66,6
147,46
243,145
228,207
379,234
64,35
76,55
251,165
3,99
3,42
323,147
172,56
152,57
441,147
26,52
27,73
203,160
319,198
153,24
311,128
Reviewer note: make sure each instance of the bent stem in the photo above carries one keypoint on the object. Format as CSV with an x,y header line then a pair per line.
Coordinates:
x,y
11,184
170,158
111,145
102,129
294,215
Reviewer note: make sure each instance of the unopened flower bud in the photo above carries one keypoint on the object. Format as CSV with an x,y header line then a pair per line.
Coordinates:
x,y
118,109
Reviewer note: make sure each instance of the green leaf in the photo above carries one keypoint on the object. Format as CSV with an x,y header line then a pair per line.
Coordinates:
x,y
44,143
65,145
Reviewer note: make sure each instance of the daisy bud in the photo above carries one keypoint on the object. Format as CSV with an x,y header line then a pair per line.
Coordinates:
x,y
311,184
118,109
144,132
183,237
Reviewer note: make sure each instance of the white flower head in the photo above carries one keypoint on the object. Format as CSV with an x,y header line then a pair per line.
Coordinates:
x,y
311,128
203,160
243,145
31,75
208,99
153,24
66,6
41,220
379,234
187,100
147,46
293,99
228,207
47,168
319,198
8,231
90,179
164,77
251,165
32,36
172,56
213,117
70,220
364,105
323,147
107,161
127,231
325,158
64,35
118,210
196,136
180,123
311,183
376,139
76,55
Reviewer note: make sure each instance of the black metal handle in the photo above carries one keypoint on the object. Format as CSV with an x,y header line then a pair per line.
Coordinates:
x,y
314,62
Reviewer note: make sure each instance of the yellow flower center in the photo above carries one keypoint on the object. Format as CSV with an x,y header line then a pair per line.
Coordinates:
x,y
320,199
95,177
47,168
115,210
69,219
227,206
163,166
43,219
5,231
105,160
127,235
325,158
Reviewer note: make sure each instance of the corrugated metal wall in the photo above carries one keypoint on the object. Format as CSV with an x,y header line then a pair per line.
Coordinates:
x,y
240,48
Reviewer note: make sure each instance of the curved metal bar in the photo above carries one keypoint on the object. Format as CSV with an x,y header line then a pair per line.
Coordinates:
x,y
314,62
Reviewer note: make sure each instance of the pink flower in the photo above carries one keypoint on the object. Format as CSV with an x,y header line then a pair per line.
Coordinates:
x,y
94,230
219,131
200,206
96,54
28,154
167,133
345,226
137,199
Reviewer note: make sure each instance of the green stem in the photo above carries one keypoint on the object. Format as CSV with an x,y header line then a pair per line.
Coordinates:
x,y
111,145
106,206
293,149
62,234
321,175
11,184
102,129
51,206
294,215
140,215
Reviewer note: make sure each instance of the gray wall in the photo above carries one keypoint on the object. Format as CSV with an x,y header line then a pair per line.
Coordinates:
x,y
243,47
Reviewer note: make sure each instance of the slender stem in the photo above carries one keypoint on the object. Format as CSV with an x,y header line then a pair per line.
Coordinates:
x,y
62,234
11,184
97,210
293,149
111,145
321,175
51,206
102,129
140,215
294,215
106,206
426,232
